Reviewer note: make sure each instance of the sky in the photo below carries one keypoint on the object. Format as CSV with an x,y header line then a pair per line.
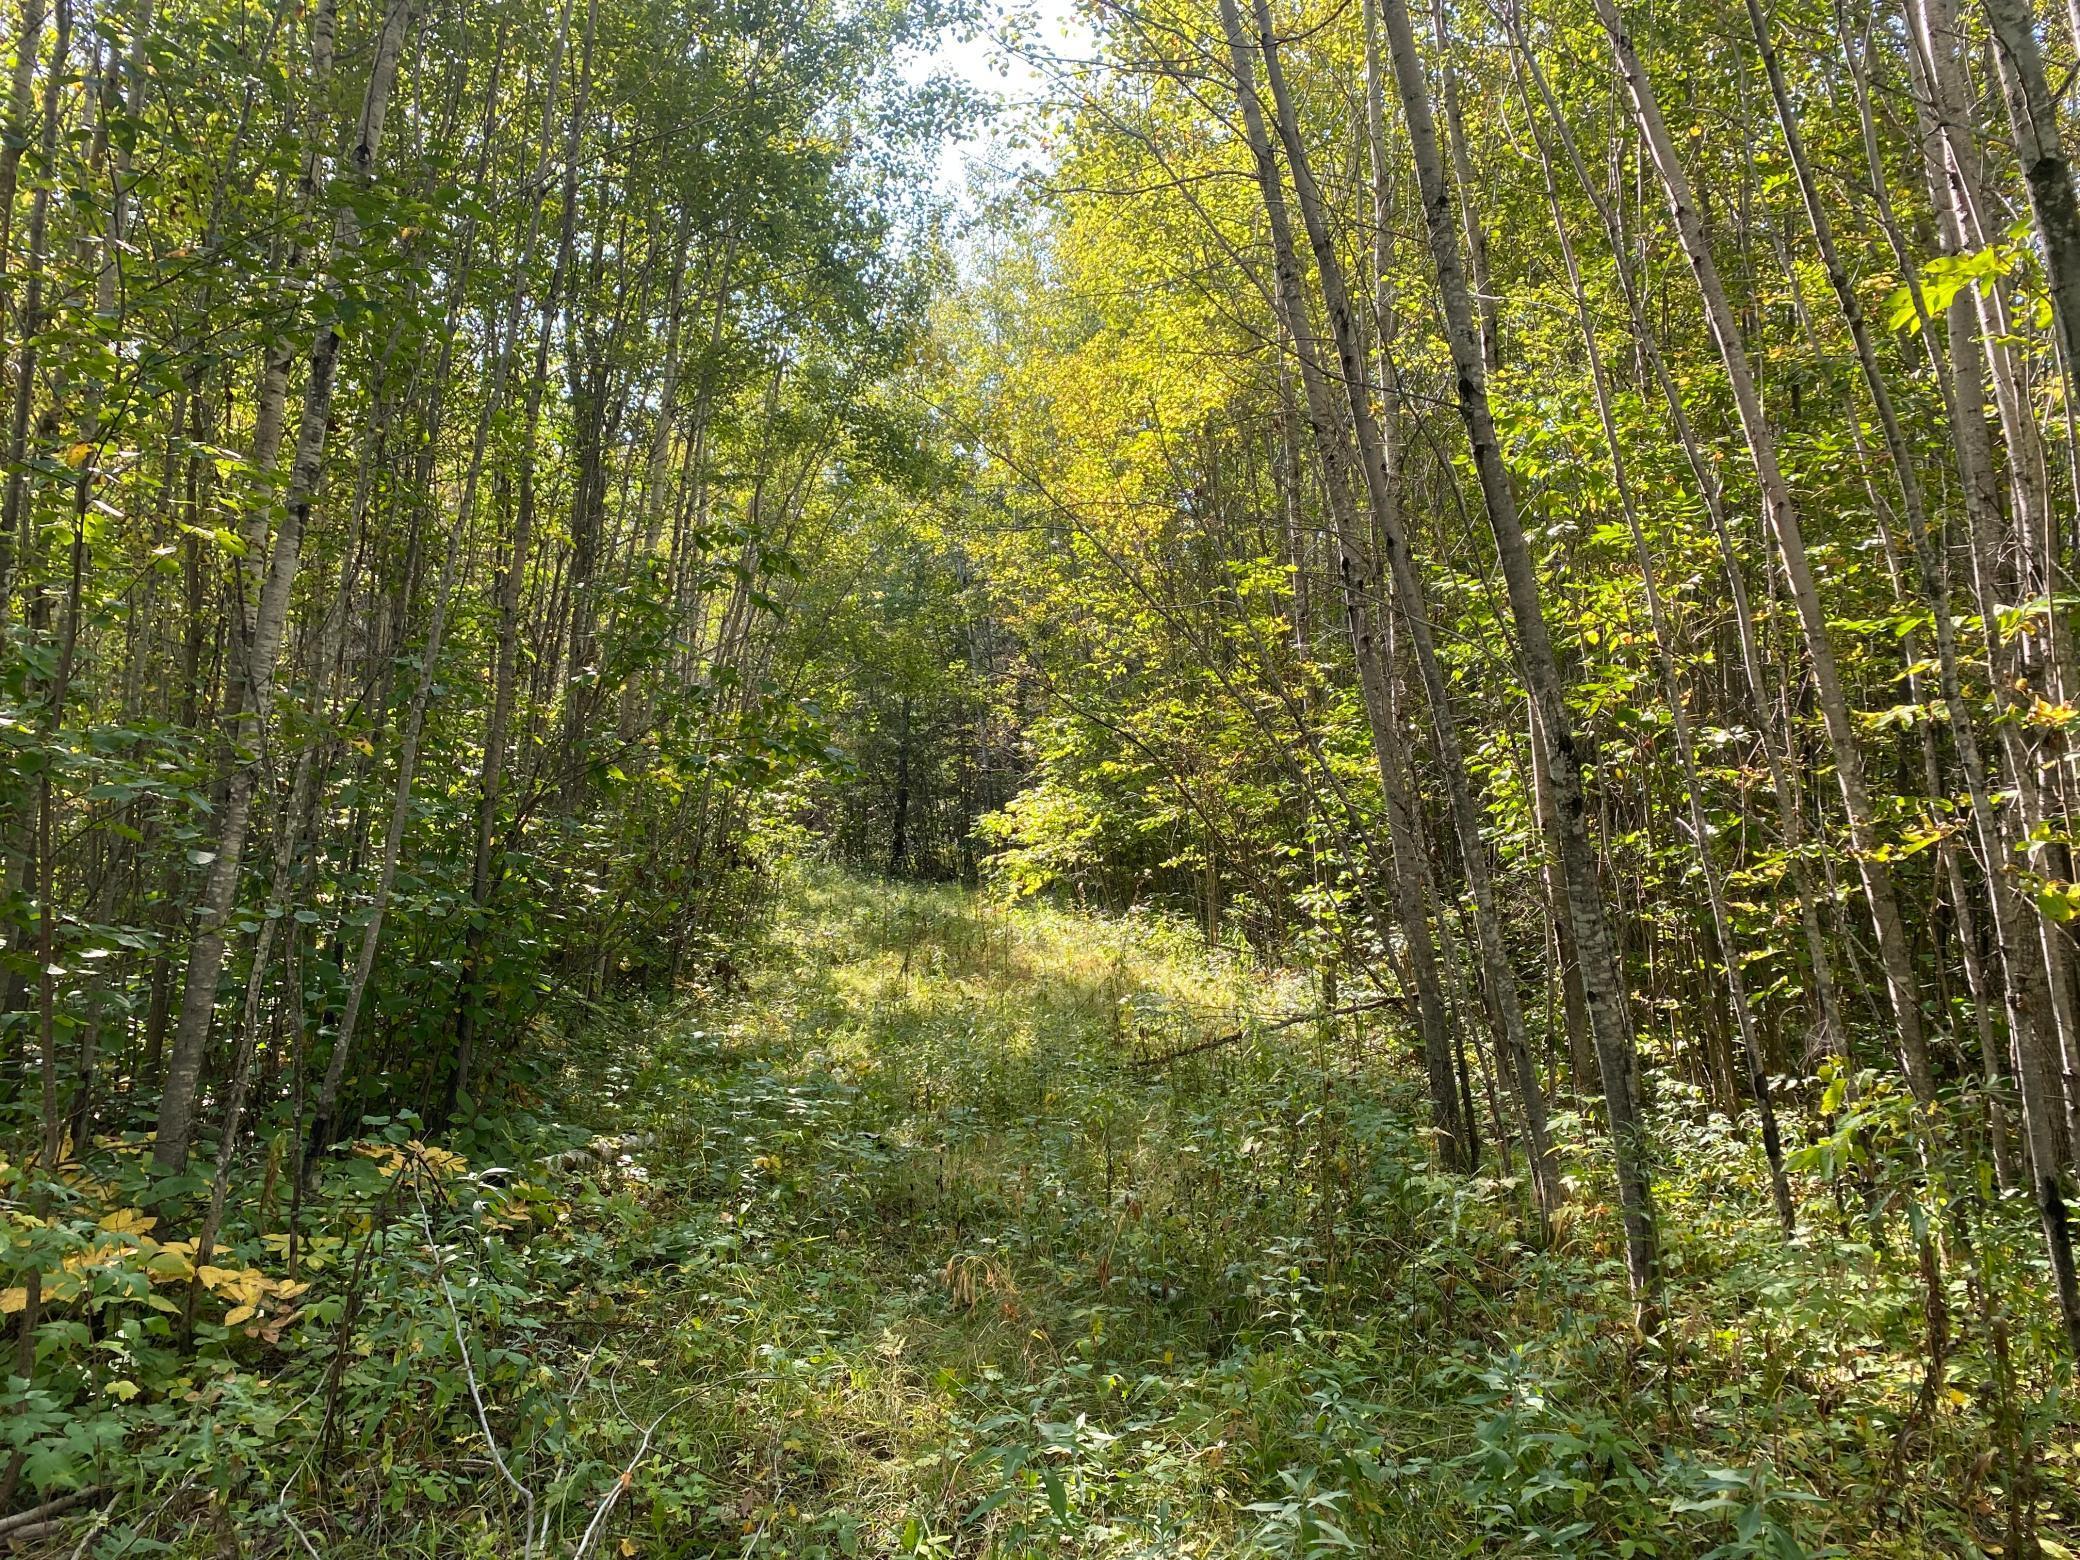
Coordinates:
x,y
999,74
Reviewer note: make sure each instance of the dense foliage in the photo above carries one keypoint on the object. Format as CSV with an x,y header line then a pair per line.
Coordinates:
x,y
416,417
1542,535
1561,516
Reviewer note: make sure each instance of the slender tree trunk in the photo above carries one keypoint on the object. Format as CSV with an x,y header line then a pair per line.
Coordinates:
x,y
176,1121
1602,982
278,357
512,579
14,507
1961,199
1895,952
2016,937
297,820
1701,832
1951,173
51,1148
2046,170
1361,589
18,502
499,355
1783,788
20,97
1486,305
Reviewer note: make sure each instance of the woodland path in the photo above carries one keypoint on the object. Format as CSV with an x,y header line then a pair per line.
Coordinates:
x,y
936,1228
920,1262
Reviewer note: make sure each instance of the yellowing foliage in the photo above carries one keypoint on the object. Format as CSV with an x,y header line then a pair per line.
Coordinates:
x,y
392,1158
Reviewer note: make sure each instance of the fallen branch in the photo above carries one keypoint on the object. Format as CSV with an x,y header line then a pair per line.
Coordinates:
x,y
1199,1046
18,1524
621,1484
601,1151
469,1374
94,1528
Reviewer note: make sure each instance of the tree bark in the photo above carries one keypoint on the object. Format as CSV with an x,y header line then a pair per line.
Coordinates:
x,y
511,580
176,1121
1602,982
1895,951
1701,831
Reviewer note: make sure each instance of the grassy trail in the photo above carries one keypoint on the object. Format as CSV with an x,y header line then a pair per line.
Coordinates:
x,y
937,1268
913,1257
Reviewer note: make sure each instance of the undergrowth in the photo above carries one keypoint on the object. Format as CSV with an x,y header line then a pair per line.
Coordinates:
x,y
910,1242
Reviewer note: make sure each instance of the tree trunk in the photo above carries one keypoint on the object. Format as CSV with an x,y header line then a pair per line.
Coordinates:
x,y
1602,982
1833,1035
1701,832
511,580
1895,952
1360,580
176,1121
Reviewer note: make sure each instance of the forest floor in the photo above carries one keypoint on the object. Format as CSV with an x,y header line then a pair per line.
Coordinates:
x,y
907,1247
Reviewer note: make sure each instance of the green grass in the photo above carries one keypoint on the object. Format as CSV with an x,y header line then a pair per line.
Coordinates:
x,y
915,1259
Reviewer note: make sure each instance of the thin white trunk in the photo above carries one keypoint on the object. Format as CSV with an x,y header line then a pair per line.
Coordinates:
x,y
177,1106
1833,1036
1781,510
1701,832
1359,576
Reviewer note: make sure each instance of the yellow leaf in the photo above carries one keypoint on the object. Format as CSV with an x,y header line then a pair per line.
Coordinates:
x,y
237,1314
121,1391
129,1221
289,1288
13,1300
2051,715
251,1287
169,1265
216,1278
